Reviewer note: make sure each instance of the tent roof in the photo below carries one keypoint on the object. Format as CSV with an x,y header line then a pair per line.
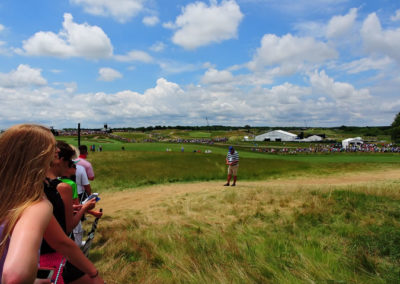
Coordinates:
x,y
313,138
359,139
284,132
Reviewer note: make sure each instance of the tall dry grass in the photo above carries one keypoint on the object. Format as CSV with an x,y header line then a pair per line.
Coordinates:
x,y
256,234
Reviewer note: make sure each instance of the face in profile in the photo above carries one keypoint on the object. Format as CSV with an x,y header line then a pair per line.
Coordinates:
x,y
56,158
71,171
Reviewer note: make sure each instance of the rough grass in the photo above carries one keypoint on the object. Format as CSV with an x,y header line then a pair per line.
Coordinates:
x,y
257,234
119,170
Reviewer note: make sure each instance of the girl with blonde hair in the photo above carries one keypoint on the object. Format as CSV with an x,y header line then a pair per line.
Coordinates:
x,y
26,151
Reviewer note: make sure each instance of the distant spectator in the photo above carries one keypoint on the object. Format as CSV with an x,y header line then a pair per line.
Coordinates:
x,y
82,183
83,153
232,160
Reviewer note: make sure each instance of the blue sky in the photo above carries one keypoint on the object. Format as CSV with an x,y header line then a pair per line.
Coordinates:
x,y
237,62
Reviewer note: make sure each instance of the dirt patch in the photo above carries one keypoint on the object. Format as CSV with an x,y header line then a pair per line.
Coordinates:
x,y
146,198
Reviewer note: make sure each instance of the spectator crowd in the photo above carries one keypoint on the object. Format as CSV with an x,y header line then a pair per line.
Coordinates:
x,y
330,148
39,194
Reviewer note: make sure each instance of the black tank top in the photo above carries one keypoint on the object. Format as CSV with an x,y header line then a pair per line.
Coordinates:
x,y
50,189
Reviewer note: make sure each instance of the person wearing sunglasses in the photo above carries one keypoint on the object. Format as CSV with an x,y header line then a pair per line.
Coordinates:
x,y
78,269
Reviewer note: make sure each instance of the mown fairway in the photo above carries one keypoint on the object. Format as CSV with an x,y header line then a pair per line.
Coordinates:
x,y
330,218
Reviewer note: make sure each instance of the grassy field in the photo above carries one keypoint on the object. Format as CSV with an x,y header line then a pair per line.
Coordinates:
x,y
118,170
254,233
149,163
168,219
340,133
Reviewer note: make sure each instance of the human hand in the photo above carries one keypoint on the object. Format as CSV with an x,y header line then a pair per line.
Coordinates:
x,y
96,214
89,205
76,207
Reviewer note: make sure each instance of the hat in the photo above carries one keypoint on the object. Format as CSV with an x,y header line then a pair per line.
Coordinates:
x,y
230,148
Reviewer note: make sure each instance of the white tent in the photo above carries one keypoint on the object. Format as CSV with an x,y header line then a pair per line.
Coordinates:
x,y
352,141
276,135
312,138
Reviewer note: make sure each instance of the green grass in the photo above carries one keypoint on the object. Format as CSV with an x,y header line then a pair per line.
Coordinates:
x,y
243,149
256,235
248,234
149,163
123,169
118,170
132,135
199,134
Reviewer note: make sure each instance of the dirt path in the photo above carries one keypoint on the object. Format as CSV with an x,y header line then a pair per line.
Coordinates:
x,y
146,198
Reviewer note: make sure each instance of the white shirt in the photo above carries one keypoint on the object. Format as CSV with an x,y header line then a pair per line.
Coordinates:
x,y
81,178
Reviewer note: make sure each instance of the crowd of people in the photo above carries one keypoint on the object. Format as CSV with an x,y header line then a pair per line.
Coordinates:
x,y
330,148
43,184
198,140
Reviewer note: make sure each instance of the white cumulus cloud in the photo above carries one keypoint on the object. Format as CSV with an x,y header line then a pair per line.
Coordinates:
x,y
342,92
108,74
323,101
366,64
151,21
376,40
120,10
23,76
135,55
200,25
74,40
341,25
396,17
290,50
213,76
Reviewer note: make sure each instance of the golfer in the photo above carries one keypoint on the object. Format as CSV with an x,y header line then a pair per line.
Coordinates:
x,y
232,159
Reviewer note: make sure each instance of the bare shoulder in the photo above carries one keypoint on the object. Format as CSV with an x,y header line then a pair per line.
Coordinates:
x,y
43,206
38,214
64,186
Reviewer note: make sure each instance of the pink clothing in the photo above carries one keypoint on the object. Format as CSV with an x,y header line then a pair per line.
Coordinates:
x,y
88,167
53,260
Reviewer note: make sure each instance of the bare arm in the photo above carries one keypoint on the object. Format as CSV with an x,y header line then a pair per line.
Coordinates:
x,y
71,219
22,258
65,191
59,241
85,208
90,172
88,189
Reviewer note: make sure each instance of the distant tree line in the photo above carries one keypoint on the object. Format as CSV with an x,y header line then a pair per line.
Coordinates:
x,y
393,130
364,130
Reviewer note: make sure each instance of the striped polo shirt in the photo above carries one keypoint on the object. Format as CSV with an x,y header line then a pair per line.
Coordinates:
x,y
233,157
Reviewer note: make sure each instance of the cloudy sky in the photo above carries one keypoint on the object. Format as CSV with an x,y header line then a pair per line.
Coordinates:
x,y
177,62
